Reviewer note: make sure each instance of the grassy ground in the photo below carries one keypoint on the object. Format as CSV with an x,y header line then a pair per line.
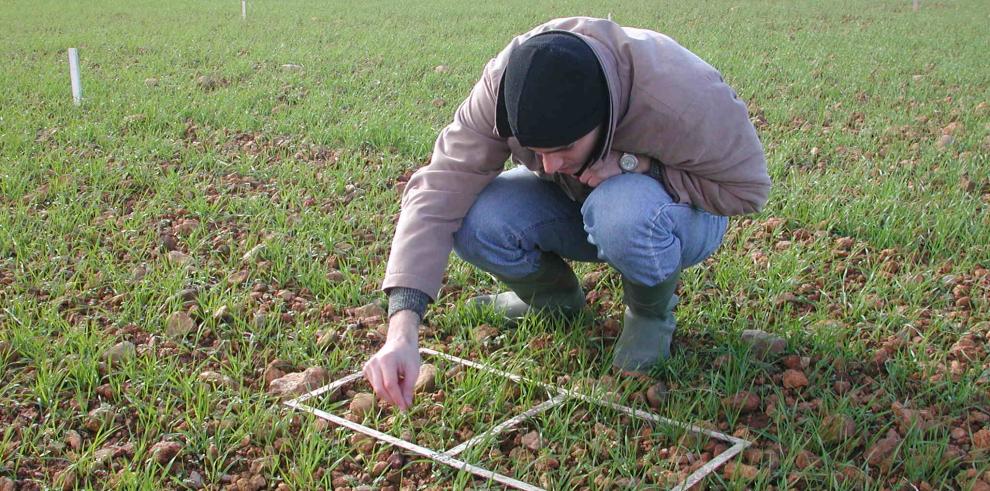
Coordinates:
x,y
247,173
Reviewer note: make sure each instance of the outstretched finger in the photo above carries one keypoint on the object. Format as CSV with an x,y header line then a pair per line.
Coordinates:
x,y
410,373
389,378
371,374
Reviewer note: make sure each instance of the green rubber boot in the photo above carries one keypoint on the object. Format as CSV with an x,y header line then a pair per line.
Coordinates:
x,y
553,287
649,324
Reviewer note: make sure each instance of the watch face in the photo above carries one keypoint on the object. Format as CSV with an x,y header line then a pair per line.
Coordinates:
x,y
628,162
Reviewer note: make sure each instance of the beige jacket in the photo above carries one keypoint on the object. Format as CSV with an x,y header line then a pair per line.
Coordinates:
x,y
666,103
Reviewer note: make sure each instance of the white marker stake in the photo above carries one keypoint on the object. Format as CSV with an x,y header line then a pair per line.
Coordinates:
x,y
74,76
610,16
244,9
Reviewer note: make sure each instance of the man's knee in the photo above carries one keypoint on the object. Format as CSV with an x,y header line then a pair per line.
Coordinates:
x,y
623,221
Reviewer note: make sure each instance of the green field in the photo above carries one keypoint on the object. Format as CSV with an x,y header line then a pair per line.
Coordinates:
x,y
248,173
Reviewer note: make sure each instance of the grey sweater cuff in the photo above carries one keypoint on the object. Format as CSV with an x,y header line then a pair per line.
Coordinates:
x,y
401,298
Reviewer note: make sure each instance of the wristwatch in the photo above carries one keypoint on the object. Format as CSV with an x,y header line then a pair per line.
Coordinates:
x,y
628,163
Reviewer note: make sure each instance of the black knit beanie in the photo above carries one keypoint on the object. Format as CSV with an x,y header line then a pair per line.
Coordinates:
x,y
554,90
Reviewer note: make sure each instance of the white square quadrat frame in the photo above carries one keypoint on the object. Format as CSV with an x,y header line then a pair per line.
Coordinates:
x,y
449,457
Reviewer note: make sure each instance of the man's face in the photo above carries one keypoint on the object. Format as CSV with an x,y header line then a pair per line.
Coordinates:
x,y
570,158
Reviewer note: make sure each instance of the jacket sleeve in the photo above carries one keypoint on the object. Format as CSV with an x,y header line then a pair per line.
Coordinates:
x,y
466,157
714,157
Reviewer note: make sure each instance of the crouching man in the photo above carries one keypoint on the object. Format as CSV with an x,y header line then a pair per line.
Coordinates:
x,y
629,149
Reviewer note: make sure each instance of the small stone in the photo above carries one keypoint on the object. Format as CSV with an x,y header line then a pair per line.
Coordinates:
x,y
882,449
805,459
742,401
838,428
120,352
133,118
396,460
238,277
186,227
484,333
841,387
98,417
179,258
427,379
169,242
253,253
179,325
274,370
656,394
195,480
66,479
532,440
361,404
215,379
735,469
327,339
762,343
362,443
206,82
151,82
164,451
981,439
370,310
298,383
752,456
441,69
794,379
74,440
103,456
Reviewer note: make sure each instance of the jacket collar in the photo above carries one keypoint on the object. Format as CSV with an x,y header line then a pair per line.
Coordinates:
x,y
616,102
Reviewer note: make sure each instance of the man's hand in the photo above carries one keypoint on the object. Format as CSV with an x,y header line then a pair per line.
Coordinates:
x,y
601,170
393,370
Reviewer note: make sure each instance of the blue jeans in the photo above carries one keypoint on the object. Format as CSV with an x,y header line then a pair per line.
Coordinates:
x,y
628,221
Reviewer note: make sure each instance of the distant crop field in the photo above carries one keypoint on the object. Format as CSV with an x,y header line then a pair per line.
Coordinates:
x,y
218,211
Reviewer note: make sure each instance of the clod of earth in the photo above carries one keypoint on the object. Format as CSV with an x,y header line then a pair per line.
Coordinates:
x,y
883,449
151,82
362,443
981,439
742,401
532,440
74,440
215,379
179,325
179,258
743,471
656,394
838,428
298,383
118,353
327,339
762,343
98,417
274,370
362,404
253,253
484,332
794,379
427,379
164,451
66,479
369,310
